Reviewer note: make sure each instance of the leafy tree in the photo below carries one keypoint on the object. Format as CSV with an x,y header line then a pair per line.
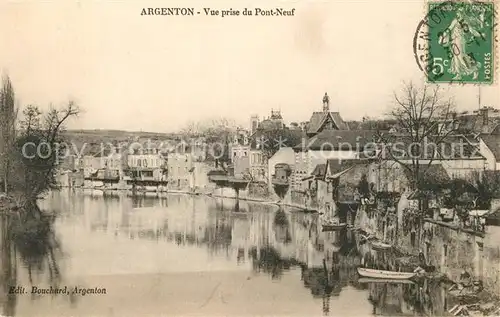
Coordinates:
x,y
39,149
364,186
270,141
488,187
8,115
217,134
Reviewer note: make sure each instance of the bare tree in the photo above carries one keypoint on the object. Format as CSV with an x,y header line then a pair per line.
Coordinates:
x,y
218,133
210,127
425,120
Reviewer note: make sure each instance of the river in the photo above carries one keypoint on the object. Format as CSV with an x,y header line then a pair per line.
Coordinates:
x,y
193,255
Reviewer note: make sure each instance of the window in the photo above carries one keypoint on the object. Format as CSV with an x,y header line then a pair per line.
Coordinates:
x,y
329,188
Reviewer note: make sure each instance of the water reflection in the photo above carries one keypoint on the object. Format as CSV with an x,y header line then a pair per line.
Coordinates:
x,y
28,240
112,239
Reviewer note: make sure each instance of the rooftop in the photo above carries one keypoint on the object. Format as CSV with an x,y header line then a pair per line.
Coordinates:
x,y
435,174
319,171
319,118
328,140
493,143
336,166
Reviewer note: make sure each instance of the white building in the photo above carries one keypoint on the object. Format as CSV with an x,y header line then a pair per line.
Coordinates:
x,y
147,166
327,145
180,170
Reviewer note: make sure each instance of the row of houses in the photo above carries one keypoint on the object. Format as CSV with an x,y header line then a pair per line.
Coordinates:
x,y
150,167
453,226
300,148
319,145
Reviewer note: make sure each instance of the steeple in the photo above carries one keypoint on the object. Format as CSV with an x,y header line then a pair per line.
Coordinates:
x,y
326,103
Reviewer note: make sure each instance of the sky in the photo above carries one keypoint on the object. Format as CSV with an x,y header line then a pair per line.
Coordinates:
x,y
157,73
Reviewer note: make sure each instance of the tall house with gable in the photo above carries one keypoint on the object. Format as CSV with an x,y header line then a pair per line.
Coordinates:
x,y
325,120
321,122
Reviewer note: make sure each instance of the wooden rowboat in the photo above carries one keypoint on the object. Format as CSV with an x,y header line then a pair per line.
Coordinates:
x,y
367,280
377,245
333,227
367,237
380,274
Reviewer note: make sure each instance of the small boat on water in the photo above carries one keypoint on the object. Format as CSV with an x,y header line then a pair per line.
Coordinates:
x,y
332,225
368,280
366,237
380,274
327,227
380,246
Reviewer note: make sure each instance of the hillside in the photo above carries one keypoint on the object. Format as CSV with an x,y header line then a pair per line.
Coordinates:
x,y
93,138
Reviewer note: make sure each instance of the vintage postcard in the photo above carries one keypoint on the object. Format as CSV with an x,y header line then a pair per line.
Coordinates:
x,y
249,158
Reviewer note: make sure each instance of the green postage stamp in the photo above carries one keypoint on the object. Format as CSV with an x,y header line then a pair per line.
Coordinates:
x,y
461,42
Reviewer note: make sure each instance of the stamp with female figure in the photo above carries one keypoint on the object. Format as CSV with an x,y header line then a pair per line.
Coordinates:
x,y
461,42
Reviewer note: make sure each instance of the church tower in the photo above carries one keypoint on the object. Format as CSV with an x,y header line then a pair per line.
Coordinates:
x,y
326,103
254,123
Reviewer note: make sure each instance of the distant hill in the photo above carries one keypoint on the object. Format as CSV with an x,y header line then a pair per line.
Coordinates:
x,y
94,138
118,134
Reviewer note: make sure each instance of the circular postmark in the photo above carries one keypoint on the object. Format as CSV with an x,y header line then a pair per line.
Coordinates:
x,y
454,42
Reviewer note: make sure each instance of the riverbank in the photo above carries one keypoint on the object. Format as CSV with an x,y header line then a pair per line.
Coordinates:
x,y
448,255
474,302
211,194
266,201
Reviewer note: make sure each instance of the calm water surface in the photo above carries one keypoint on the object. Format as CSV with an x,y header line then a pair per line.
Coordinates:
x,y
184,255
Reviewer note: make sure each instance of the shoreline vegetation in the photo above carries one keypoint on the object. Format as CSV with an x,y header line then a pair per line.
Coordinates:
x,y
26,173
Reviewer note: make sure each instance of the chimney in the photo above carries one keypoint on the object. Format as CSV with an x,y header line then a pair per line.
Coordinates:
x,y
484,115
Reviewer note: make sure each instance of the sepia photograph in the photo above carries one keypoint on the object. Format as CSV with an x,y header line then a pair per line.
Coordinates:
x,y
249,158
